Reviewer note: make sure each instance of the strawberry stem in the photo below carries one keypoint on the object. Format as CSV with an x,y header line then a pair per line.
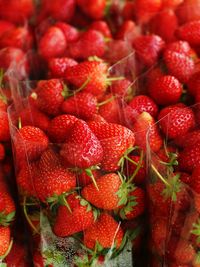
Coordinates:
x,y
139,165
90,174
106,101
19,123
8,250
27,217
159,175
83,85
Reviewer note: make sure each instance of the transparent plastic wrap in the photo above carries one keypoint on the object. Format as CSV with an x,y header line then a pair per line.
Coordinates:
x,y
172,189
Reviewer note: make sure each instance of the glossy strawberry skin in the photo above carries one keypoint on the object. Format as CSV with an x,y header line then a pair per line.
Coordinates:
x,y
60,127
171,124
4,239
82,149
101,26
57,66
165,90
93,10
82,105
71,33
99,232
189,158
190,32
77,220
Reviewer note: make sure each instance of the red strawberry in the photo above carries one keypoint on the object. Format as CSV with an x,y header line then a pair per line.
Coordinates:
x,y
188,11
8,58
3,104
148,48
117,50
190,32
131,167
17,256
158,25
194,84
50,96
195,179
4,127
92,74
166,90
186,178
159,234
19,37
70,32
83,105
52,43
171,3
121,88
4,240
30,142
5,26
84,178
153,74
171,124
102,27
57,66
2,152
115,140
127,31
80,218
146,9
145,125
189,158
128,10
95,10
106,231
182,47
60,127
143,103
189,139
49,159
82,149
90,43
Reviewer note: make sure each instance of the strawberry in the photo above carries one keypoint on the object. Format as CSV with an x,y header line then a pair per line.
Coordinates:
x,y
92,74
3,104
127,31
11,55
189,139
195,179
171,124
159,234
17,256
189,158
80,218
146,9
70,32
84,178
188,11
165,90
158,25
52,43
190,32
121,88
2,152
130,167
182,47
4,240
148,48
143,103
171,3
106,231
5,26
194,84
102,27
128,12
115,140
82,105
90,43
57,66
49,159
179,65
50,96
30,142
82,148
146,126
93,10
60,127
19,37
153,74
4,127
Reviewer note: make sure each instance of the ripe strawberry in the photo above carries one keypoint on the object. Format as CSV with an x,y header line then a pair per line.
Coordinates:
x,y
4,240
52,43
153,74
179,65
188,11
2,152
5,26
50,96
195,179
130,168
146,126
115,140
190,32
8,58
80,218
143,103
19,37
92,74
90,43
84,178
4,127
159,234
182,47
189,158
121,88
3,104
82,105
158,25
117,50
127,31
30,142
95,10
52,182
60,127
17,256
71,33
110,110
171,124
102,27
128,12
189,139
82,148
165,90
146,9
194,84
57,66
106,231
148,48
171,3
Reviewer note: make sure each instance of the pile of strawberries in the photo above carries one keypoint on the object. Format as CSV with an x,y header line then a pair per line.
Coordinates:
x,y
105,130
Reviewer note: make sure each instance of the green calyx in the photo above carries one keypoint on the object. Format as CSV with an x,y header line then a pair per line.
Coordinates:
x,y
54,257
89,207
6,219
60,200
89,173
196,231
173,188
